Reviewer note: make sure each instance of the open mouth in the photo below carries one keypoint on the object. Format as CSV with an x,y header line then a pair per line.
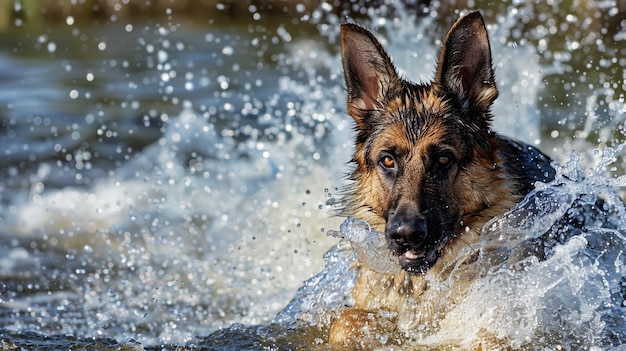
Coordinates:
x,y
418,262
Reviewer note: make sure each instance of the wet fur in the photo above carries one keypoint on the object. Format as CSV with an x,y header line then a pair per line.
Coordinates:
x,y
450,175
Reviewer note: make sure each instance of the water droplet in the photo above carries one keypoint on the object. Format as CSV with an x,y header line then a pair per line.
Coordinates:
x,y
162,56
227,50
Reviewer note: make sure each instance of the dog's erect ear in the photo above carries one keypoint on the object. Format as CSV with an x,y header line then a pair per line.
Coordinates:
x,y
464,66
367,69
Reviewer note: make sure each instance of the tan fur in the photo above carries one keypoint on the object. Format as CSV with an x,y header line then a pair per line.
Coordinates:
x,y
411,299
410,121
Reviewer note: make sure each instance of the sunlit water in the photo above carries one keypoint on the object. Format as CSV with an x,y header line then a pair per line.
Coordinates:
x,y
164,180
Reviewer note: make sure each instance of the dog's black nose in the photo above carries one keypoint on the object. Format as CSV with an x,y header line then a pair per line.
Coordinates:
x,y
405,231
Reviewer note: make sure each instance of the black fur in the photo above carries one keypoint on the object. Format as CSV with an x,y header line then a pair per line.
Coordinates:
x,y
429,147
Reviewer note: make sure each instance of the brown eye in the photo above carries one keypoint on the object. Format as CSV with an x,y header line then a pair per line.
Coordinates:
x,y
445,161
388,162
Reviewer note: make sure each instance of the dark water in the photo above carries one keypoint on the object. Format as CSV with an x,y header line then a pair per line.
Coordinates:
x,y
164,178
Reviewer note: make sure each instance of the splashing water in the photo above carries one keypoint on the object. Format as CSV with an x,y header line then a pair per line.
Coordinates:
x,y
162,218
552,271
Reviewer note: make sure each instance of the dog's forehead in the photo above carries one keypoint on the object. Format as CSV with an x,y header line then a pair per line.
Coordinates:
x,y
419,106
418,116
409,137
420,99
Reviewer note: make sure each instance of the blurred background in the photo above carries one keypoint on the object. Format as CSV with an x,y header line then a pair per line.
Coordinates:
x,y
168,167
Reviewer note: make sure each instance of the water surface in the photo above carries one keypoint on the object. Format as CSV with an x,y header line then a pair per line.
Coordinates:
x,y
165,177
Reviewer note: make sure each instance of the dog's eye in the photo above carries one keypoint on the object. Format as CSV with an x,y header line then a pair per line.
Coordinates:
x,y
388,162
444,160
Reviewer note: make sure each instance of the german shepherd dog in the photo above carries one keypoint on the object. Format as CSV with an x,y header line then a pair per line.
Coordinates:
x,y
429,173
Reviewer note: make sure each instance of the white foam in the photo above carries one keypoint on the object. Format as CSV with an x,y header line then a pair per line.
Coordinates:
x,y
572,296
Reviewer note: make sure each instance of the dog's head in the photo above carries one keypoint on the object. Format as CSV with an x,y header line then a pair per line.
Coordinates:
x,y
423,151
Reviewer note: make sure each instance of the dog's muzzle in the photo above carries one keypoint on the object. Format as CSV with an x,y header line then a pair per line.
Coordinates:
x,y
407,237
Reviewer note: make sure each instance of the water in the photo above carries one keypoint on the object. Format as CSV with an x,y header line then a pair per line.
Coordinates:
x,y
163,179
550,272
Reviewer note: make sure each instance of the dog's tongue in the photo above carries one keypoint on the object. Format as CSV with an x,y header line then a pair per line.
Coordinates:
x,y
411,255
